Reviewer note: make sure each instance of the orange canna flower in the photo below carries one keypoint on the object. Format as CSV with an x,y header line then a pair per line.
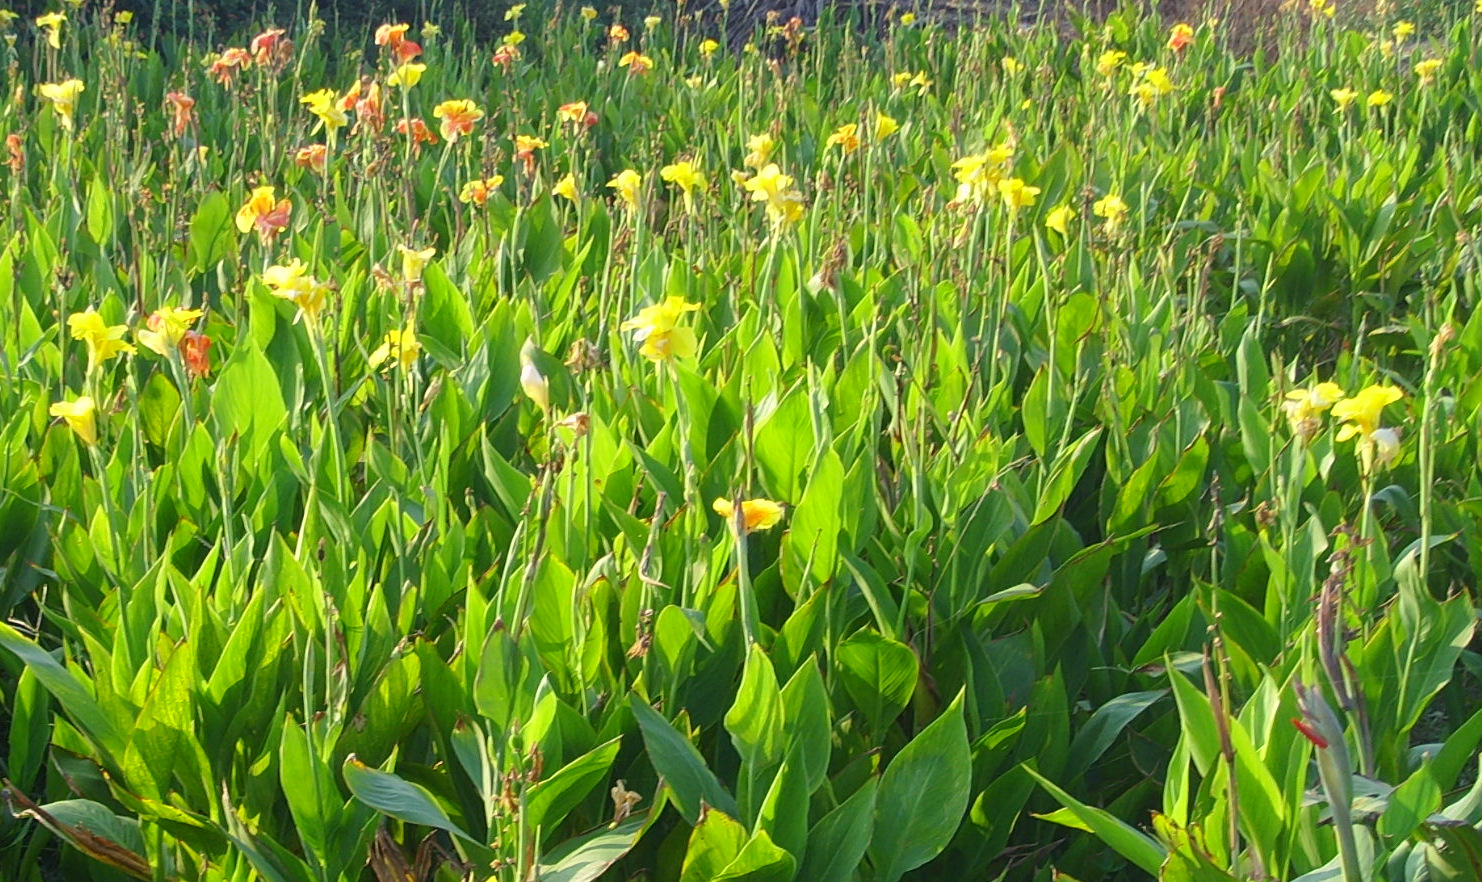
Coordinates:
x,y
506,55
478,190
636,63
312,157
458,116
369,111
392,35
195,350
1180,37
525,147
271,49
418,131
264,213
225,66
17,150
183,106
617,33
572,112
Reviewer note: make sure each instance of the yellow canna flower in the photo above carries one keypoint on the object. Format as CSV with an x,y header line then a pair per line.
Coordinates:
x,y
1402,29
1361,412
406,75
1059,219
627,184
657,328
1016,194
458,116
165,326
1109,61
325,105
636,62
263,211
478,190
708,48
1426,70
1343,97
908,19
63,98
401,345
566,187
1323,7
514,12
292,282
978,173
1151,85
103,341
1379,98
81,416
885,126
687,177
52,22
588,13
1111,209
759,150
413,261
1303,406
845,137
1011,65
652,21
756,514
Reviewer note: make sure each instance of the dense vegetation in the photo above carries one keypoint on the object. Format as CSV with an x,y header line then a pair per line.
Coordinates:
x,y
970,454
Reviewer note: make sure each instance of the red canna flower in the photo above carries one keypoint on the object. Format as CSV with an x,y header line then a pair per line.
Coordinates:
x,y
1310,733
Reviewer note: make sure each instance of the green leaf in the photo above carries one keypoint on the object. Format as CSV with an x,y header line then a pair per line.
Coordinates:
x,y
310,790
714,843
755,717
247,402
553,798
165,721
75,699
99,211
837,843
923,795
1132,844
805,709
1064,474
586,858
760,860
1103,728
878,673
397,797
680,765
211,232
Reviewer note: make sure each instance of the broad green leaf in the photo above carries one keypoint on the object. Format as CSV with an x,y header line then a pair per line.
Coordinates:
x,y
551,799
74,698
923,796
837,843
586,858
397,797
755,717
1134,845
714,843
878,673
680,765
